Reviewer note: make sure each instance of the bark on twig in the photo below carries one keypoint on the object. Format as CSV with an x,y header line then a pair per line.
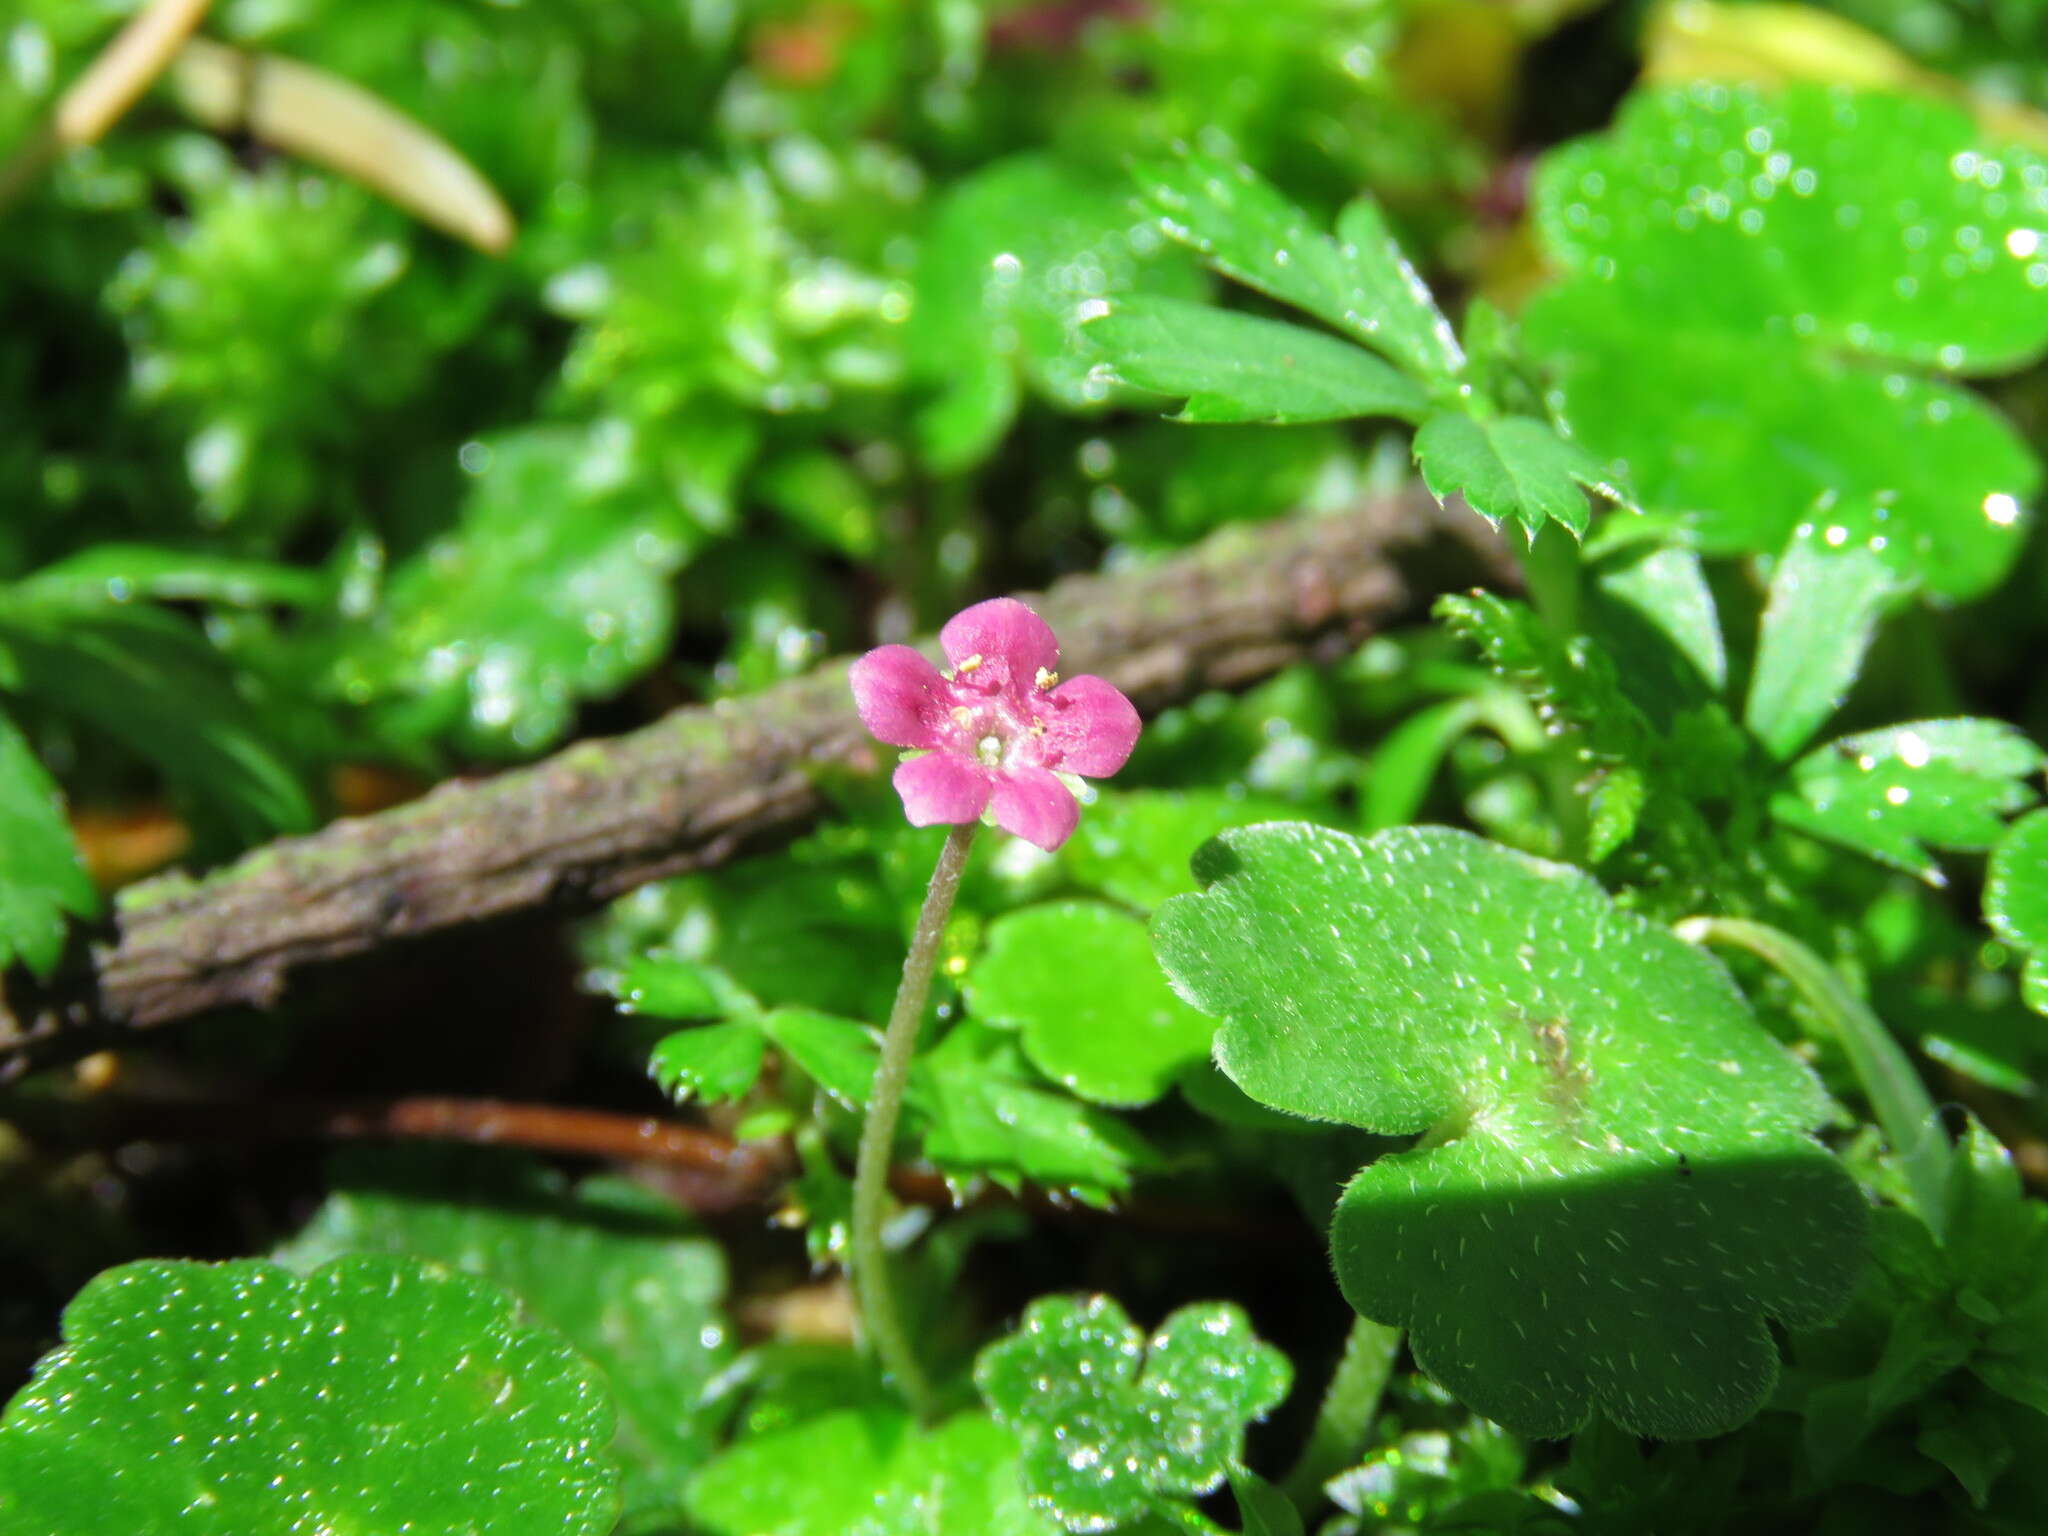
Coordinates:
x,y
707,783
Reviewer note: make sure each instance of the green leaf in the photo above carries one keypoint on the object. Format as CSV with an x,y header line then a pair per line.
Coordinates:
x,y
1109,1421
868,1472
1615,1187
615,1270
984,1113
1133,845
2016,901
374,1394
1895,793
1360,282
1016,254
147,680
554,587
1511,467
1078,981
1825,602
1664,587
665,986
120,573
1810,256
1262,1509
839,1054
42,878
1237,367
712,1062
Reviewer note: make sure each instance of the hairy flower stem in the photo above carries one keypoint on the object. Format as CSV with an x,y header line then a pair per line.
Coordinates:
x,y
1897,1096
878,1134
1351,1402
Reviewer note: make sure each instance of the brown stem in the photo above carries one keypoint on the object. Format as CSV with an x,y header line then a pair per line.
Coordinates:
x,y
724,1174
709,782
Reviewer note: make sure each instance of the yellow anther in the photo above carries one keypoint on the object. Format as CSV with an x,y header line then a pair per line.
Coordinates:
x,y
970,664
1048,679
962,715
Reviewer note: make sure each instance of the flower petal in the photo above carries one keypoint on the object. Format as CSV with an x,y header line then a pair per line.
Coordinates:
x,y
901,697
1035,806
941,788
1012,642
1090,727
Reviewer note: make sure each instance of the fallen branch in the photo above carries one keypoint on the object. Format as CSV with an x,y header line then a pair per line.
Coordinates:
x,y
707,783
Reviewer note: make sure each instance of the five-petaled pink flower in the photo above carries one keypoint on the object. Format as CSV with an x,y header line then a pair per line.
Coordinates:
x,y
999,728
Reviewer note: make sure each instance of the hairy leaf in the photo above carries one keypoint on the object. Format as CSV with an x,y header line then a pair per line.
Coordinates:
x,y
1824,605
2016,901
1077,980
1615,1187
42,880
1359,282
1816,261
1234,367
1110,1421
1514,467
1895,793
610,1267
373,1394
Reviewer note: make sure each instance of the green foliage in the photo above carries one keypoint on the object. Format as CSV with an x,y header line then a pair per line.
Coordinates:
x,y
42,881
1076,979
371,1392
1234,367
1824,605
2016,900
868,1472
1894,793
1820,264
631,1286
1602,1118
1112,1423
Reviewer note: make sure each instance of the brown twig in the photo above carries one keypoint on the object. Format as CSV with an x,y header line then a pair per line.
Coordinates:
x,y
707,783
722,1174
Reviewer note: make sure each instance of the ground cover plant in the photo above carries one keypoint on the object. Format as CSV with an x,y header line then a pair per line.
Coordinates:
x,y
1023,766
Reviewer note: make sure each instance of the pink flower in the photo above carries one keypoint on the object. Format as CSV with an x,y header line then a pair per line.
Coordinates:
x,y
999,728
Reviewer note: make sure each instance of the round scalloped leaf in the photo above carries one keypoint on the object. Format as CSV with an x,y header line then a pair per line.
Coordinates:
x,y
2016,901
1077,980
1104,1438
1821,263
1615,1188
375,1394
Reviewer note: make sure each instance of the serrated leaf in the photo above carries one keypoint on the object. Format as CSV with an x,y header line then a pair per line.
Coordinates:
x,y
1014,255
1791,244
868,1472
984,1113
1895,793
1234,367
615,1270
1824,605
839,1054
1110,1421
1078,982
1359,282
2016,901
42,879
1616,1186
712,1062
373,1394
1512,467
